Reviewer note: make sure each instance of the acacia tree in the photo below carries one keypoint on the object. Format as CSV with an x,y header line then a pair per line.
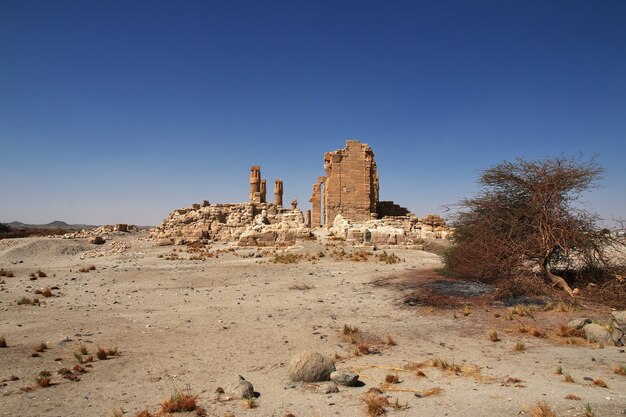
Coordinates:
x,y
527,218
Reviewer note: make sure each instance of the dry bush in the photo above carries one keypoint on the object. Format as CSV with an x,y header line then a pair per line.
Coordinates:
x,y
102,354
542,409
44,379
389,258
359,256
286,258
588,411
46,292
572,397
79,369
27,301
559,370
42,347
620,370
568,378
144,413
519,346
600,382
493,336
536,332
82,349
392,378
179,402
566,331
364,348
349,330
375,404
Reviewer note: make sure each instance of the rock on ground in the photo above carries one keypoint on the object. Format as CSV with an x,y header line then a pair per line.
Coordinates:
x,y
310,367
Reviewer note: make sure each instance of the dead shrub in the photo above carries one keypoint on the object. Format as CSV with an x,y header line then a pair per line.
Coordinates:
x,y
44,379
536,332
375,404
565,331
600,382
179,402
572,397
542,409
392,378
620,370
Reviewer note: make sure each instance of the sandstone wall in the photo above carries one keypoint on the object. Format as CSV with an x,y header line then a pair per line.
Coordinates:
x,y
351,184
391,230
246,223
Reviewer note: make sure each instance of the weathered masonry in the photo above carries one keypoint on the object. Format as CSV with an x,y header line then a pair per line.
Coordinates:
x,y
349,188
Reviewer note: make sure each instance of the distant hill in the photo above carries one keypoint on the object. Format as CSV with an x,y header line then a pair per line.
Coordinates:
x,y
57,224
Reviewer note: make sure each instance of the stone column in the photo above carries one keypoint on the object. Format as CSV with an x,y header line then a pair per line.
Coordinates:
x,y
263,190
308,218
255,184
278,193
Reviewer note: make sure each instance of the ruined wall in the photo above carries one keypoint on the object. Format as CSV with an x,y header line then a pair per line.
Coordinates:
x,y
246,223
351,184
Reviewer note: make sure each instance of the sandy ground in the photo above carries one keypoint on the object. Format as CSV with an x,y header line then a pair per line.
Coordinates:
x,y
195,324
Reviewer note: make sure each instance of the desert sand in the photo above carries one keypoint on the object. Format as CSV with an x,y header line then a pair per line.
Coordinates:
x,y
194,325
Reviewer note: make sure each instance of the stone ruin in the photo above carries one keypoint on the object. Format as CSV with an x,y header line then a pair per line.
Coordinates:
x,y
255,223
345,202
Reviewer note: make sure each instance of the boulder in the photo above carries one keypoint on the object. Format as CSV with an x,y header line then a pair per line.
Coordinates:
x,y
96,240
619,317
597,333
240,389
310,367
578,323
346,378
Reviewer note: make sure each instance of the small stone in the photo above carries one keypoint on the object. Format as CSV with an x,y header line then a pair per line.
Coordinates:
x,y
346,378
241,389
327,388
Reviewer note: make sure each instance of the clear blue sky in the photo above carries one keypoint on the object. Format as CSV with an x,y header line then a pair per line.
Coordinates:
x,y
120,111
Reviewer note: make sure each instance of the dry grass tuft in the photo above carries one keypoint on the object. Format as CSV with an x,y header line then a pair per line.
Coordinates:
x,y
249,403
286,258
44,379
390,341
375,405
389,258
565,331
392,378
179,402
42,347
620,370
536,332
572,397
349,330
493,336
519,346
27,301
46,292
82,349
429,392
101,354
568,378
364,348
542,409
600,382
588,411
559,370
143,413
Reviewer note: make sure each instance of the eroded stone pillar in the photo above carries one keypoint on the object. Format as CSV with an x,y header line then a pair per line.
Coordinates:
x,y
255,184
316,203
263,190
278,193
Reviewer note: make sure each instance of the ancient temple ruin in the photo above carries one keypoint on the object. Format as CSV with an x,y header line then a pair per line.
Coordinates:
x,y
345,201
255,223
350,187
